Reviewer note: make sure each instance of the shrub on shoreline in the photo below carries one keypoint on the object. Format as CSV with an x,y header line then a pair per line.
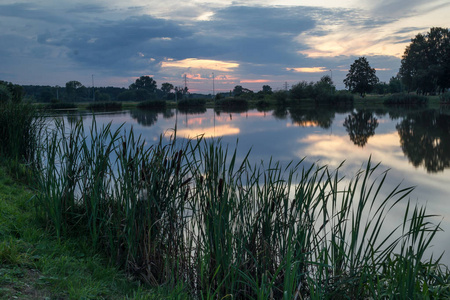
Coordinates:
x,y
150,104
104,106
409,99
231,103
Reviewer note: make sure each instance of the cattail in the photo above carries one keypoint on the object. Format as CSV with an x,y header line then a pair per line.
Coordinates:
x,y
124,148
186,194
220,187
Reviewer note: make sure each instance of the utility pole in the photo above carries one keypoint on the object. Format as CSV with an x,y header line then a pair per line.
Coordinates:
x,y
185,86
93,90
214,92
285,86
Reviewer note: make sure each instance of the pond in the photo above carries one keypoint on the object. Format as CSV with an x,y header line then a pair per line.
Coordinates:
x,y
414,144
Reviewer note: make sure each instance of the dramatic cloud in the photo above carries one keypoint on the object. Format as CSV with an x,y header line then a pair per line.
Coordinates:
x,y
251,42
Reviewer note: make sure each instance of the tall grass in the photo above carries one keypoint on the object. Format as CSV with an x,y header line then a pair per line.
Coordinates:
x,y
190,213
20,125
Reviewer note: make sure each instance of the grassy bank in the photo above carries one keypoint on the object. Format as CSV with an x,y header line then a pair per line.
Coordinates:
x,y
36,265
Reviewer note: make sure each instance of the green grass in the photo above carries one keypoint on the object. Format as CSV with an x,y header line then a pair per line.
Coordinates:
x,y
36,265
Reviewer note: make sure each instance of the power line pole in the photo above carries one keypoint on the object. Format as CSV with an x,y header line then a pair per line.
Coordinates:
x,y
93,89
214,91
285,86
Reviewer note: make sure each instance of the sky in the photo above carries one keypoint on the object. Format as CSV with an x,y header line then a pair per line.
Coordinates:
x,y
212,45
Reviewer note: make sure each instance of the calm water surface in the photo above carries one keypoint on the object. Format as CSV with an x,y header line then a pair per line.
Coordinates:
x,y
414,145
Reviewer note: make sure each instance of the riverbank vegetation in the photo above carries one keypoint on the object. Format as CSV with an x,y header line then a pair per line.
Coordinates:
x,y
196,219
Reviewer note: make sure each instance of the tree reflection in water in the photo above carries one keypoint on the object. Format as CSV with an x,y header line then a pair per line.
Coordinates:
x,y
145,117
425,139
360,126
318,117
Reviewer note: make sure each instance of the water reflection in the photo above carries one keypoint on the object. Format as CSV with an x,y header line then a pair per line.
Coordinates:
x,y
312,117
360,126
425,139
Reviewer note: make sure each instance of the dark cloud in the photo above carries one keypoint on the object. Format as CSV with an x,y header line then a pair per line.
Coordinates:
x,y
115,45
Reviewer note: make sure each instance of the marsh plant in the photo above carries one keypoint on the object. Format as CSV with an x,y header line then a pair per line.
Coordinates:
x,y
20,127
189,212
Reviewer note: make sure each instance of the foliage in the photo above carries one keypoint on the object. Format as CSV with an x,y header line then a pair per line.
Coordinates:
x,y
5,94
280,97
34,265
240,91
445,97
152,104
266,89
19,128
104,106
425,65
60,105
144,82
316,91
395,85
409,99
166,87
302,90
338,98
191,103
13,92
189,213
231,102
361,78
75,91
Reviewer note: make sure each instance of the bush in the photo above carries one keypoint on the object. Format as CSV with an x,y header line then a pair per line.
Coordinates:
x,y
231,103
196,102
335,99
105,106
150,104
19,127
60,105
403,99
280,97
445,97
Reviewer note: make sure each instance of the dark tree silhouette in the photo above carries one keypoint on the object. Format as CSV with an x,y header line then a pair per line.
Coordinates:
x,y
361,78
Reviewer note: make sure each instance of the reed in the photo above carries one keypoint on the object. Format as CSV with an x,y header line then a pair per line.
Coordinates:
x,y
188,212
104,106
20,126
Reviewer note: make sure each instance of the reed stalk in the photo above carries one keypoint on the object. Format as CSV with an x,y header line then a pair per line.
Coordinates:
x,y
188,212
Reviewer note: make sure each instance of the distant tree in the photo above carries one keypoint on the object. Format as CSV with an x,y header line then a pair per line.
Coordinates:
x,y
381,88
324,86
361,78
302,90
237,91
74,89
144,82
425,65
5,94
166,87
240,91
267,89
46,95
15,91
395,85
